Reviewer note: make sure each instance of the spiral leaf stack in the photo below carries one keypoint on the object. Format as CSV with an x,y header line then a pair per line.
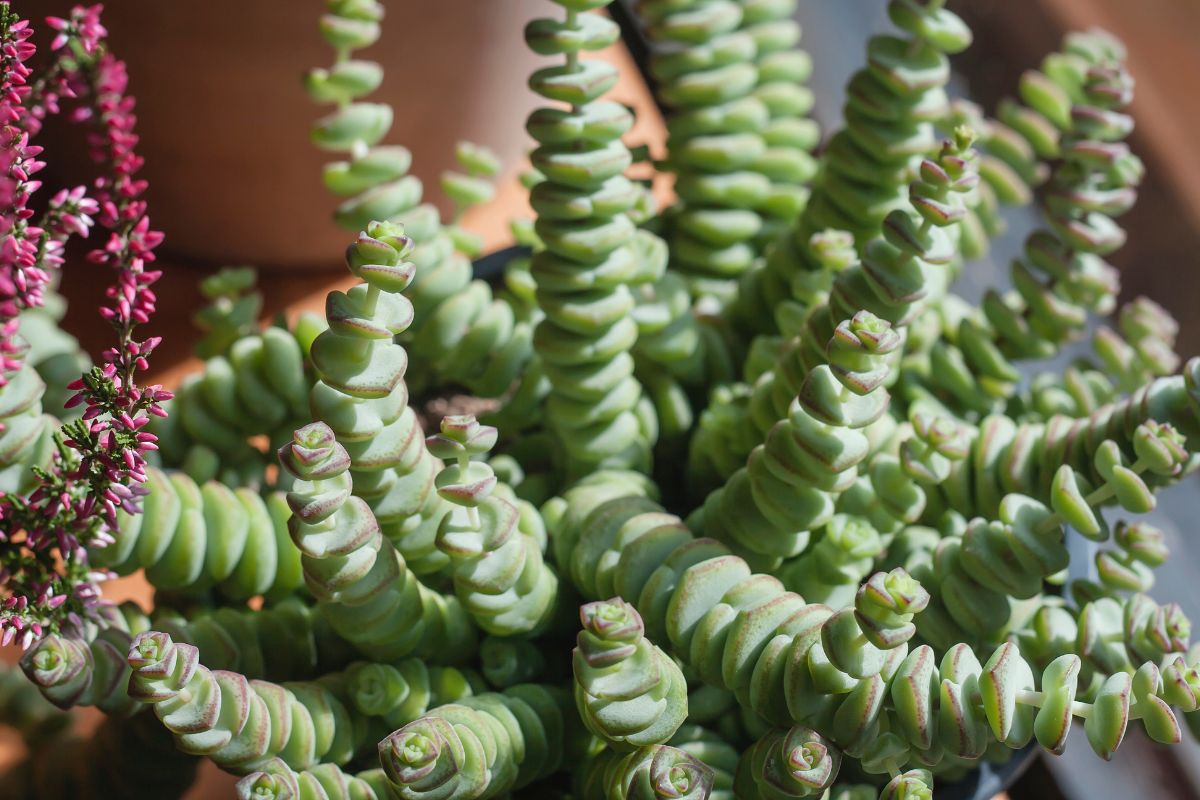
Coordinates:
x,y
789,484
628,691
738,417
367,591
1063,277
707,76
462,334
495,556
593,251
657,772
72,671
275,780
794,763
191,537
790,135
902,274
484,746
683,586
375,175
890,112
975,573
362,396
714,752
507,662
238,723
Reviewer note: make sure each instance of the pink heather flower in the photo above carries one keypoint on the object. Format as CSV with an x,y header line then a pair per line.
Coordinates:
x,y
77,501
83,25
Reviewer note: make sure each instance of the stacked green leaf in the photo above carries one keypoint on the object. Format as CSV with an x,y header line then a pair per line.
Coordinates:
x,y
277,781
903,273
494,543
393,696
891,108
481,747
192,537
593,250
788,488
656,772
364,582
362,396
628,691
238,723
794,763
462,333
289,640
1063,278
790,136
258,387
87,669
27,433
706,76
714,752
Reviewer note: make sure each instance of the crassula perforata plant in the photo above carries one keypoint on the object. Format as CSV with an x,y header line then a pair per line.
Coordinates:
x,y
752,505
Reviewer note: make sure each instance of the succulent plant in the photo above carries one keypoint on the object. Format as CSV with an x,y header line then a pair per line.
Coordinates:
x,y
832,572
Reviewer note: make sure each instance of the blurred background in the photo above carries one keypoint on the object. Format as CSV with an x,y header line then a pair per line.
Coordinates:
x,y
233,180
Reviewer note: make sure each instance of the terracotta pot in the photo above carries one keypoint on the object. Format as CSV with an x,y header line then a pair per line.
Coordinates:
x,y
224,119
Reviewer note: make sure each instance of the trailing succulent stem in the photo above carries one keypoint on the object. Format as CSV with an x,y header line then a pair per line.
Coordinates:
x,y
363,509
1077,113
238,723
902,274
191,537
481,747
494,544
737,138
462,332
891,108
592,252
843,567
628,692
848,675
